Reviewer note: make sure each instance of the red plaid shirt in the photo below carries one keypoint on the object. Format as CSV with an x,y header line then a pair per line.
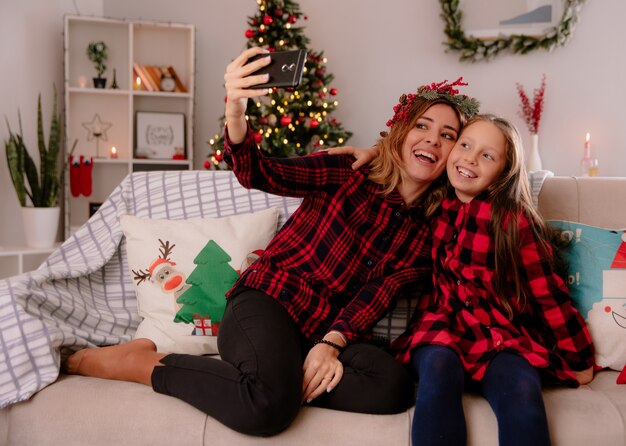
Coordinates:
x,y
466,314
347,252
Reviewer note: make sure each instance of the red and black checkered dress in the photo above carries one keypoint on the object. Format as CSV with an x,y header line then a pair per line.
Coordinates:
x,y
465,314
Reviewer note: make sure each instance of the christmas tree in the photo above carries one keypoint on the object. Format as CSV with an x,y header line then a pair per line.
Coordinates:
x,y
289,121
210,280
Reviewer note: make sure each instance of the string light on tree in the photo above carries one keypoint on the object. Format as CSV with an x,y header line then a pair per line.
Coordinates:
x,y
293,121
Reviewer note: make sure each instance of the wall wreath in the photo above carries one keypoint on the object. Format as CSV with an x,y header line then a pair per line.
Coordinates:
x,y
477,49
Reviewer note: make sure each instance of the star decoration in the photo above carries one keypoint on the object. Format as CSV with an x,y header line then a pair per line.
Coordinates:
x,y
96,128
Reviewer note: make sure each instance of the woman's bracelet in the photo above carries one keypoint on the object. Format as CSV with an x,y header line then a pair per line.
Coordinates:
x,y
331,343
340,334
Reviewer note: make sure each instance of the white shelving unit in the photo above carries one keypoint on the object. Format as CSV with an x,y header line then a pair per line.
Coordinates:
x,y
15,260
128,42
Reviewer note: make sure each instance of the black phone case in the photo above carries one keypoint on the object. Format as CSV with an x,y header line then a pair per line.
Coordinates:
x,y
285,69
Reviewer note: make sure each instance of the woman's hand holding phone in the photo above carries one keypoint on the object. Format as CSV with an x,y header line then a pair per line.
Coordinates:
x,y
238,81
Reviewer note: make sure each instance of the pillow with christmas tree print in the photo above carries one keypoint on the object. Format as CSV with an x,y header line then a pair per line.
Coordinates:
x,y
183,268
596,259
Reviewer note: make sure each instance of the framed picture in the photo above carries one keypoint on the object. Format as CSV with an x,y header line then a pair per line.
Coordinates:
x,y
160,135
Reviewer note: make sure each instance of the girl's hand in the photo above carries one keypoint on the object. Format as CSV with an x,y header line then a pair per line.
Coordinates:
x,y
322,371
237,81
363,156
585,376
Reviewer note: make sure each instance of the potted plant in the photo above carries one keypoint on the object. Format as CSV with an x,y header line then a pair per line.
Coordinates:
x,y
41,188
97,53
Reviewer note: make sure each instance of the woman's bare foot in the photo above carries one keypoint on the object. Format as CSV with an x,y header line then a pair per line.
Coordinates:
x,y
132,361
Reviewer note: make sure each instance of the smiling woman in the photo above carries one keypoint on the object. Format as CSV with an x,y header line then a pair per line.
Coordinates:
x,y
507,36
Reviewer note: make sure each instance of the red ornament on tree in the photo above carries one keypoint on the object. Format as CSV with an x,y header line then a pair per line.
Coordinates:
x,y
267,20
278,12
285,120
207,165
320,72
333,91
249,34
292,19
258,137
314,123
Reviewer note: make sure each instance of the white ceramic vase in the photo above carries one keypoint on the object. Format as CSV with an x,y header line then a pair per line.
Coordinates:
x,y
40,226
533,162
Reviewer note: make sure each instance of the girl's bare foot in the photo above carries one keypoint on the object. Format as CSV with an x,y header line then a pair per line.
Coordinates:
x,y
132,361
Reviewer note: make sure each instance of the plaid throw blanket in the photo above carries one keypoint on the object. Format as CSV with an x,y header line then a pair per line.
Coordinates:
x,y
83,295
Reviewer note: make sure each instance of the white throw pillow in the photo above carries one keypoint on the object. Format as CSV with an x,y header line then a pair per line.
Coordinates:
x,y
183,268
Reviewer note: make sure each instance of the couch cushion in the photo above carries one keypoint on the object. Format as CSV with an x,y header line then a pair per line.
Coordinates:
x,y
323,427
590,415
592,201
4,426
89,411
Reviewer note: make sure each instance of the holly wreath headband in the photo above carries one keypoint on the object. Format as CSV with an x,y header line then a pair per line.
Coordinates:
x,y
436,90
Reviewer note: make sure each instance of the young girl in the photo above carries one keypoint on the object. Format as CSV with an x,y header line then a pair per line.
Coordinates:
x,y
499,317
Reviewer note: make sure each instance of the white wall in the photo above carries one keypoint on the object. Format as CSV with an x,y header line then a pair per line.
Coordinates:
x,y
376,50
31,56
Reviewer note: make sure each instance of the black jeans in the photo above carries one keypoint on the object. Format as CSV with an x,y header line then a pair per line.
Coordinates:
x,y
256,388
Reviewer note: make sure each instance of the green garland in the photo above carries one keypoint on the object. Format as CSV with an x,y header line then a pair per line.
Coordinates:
x,y
473,49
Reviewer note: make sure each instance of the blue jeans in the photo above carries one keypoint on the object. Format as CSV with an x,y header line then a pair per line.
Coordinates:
x,y
511,386
256,388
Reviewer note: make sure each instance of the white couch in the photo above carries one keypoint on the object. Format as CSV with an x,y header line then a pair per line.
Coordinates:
x,y
76,410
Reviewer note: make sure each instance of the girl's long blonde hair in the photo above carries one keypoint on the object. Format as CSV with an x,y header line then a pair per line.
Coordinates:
x,y
511,197
387,168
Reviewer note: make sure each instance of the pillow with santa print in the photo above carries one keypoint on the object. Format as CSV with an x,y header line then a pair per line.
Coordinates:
x,y
596,259
183,268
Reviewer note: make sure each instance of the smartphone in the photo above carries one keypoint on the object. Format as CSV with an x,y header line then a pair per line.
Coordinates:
x,y
285,69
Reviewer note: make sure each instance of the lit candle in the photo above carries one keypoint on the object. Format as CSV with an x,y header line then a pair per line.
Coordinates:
x,y
113,152
587,138
137,83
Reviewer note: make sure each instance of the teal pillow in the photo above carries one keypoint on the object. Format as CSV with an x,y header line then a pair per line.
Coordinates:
x,y
596,260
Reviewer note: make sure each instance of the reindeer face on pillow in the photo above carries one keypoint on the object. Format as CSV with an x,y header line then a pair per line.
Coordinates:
x,y
164,274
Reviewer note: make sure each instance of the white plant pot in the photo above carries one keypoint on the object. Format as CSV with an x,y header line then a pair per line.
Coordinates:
x,y
40,226
533,163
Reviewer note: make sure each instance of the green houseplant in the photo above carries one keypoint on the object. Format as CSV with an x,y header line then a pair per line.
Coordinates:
x,y
41,187
97,53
